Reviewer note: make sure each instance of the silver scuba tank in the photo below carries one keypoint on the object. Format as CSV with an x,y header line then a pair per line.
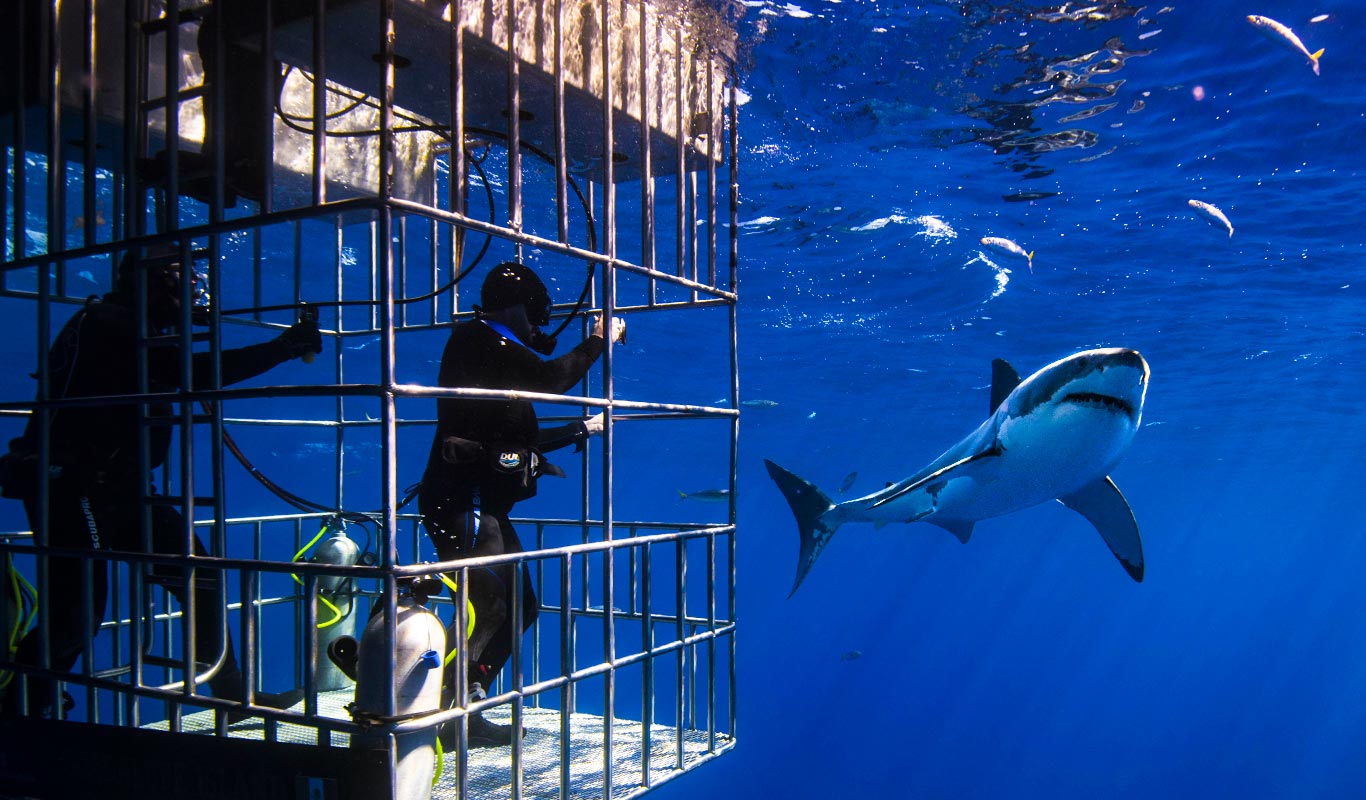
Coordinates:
x,y
339,619
419,650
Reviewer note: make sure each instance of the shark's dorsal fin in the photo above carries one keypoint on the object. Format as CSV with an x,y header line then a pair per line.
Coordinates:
x,y
962,531
1004,379
1104,506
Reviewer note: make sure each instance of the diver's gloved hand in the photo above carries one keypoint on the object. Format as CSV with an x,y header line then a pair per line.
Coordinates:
x,y
301,339
618,329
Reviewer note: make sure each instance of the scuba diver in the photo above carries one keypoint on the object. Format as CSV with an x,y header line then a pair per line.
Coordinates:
x,y
95,485
486,454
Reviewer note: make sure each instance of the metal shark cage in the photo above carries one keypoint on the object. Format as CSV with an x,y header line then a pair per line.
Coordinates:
x,y
358,160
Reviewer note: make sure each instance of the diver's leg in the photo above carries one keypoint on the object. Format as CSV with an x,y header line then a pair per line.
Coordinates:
x,y
210,617
495,655
73,521
448,517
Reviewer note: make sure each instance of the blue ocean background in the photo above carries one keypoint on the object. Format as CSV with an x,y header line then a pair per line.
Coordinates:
x,y
879,142
1026,663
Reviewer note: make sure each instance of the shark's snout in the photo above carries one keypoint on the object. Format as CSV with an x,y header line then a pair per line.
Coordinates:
x,y
1113,379
1121,357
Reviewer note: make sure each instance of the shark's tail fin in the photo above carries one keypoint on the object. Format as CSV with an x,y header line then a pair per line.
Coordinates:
x,y
808,505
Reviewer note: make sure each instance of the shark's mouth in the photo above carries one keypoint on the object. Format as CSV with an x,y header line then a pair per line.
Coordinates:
x,y
1102,400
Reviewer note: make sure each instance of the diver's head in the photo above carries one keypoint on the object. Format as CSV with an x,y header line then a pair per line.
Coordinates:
x,y
161,264
511,284
513,293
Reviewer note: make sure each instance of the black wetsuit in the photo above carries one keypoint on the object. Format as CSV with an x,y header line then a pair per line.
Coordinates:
x,y
93,502
477,356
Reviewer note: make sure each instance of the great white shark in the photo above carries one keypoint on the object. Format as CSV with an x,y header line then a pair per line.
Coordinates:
x,y
1054,436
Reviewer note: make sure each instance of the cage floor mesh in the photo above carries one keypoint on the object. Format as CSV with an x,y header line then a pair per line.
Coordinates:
x,y
490,769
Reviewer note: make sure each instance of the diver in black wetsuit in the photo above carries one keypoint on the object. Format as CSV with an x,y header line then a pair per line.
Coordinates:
x,y
95,485
487,454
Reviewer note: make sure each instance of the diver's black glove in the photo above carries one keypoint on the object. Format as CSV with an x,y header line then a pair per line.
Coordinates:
x,y
301,339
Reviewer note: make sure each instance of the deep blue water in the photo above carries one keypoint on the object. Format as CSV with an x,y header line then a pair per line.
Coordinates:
x,y
1026,664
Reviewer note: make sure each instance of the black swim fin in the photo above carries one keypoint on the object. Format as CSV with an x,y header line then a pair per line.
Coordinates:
x,y
808,505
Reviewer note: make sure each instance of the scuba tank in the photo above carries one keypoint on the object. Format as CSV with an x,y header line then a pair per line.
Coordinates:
x,y
336,606
419,649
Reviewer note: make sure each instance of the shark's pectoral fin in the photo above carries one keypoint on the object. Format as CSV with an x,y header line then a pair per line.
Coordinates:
x,y
942,474
961,530
1004,379
1104,505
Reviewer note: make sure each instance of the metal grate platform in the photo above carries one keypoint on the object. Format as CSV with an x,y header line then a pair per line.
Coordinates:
x,y
490,770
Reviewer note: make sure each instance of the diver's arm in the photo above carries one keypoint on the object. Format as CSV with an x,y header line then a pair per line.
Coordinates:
x,y
239,363
549,439
557,375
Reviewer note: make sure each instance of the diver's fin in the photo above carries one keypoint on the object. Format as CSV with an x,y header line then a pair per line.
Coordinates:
x,y
808,505
961,530
1104,505
1004,379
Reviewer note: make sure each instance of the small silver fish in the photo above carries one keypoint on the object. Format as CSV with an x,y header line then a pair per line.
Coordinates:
x,y
848,482
852,655
706,495
1212,214
759,403
1009,248
1277,32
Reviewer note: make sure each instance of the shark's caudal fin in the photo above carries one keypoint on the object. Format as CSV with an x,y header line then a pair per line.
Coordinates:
x,y
808,504
1104,506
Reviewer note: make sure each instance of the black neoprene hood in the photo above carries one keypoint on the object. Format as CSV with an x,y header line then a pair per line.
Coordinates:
x,y
510,284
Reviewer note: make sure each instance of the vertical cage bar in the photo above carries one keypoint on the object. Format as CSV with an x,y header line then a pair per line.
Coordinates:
x,y
712,147
319,174
270,90
384,246
566,668
647,180
170,210
88,167
185,334
647,643
680,634
401,272
514,113
561,154
680,159
461,697
20,133
215,98
733,151
609,249
56,172
515,662
711,642
219,532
